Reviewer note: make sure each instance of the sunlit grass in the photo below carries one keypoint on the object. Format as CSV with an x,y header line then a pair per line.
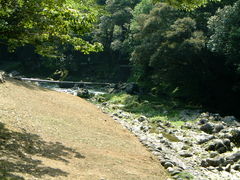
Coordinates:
x,y
156,109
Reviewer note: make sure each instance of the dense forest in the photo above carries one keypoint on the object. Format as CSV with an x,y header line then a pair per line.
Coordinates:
x,y
179,49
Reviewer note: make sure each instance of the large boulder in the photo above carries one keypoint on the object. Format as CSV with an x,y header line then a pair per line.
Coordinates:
x,y
207,128
83,93
229,120
2,76
221,146
234,157
212,162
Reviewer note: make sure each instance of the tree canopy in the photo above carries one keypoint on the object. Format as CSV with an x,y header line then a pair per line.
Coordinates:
x,y
187,4
47,24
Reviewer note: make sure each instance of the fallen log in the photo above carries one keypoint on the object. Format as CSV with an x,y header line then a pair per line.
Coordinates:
x,y
63,82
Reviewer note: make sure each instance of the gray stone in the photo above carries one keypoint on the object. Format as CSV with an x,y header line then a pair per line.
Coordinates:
x,y
204,163
236,167
83,93
173,171
213,154
226,162
228,168
202,121
219,145
207,128
204,115
185,154
167,124
218,128
104,103
167,164
235,138
185,147
205,139
220,168
234,157
229,119
215,162
188,126
142,118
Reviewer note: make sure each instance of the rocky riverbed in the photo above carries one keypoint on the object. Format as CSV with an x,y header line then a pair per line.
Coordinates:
x,y
206,147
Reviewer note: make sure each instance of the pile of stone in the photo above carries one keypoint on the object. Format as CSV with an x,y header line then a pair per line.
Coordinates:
x,y
206,148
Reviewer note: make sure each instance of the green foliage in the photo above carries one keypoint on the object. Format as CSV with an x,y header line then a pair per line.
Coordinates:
x,y
155,108
185,176
188,5
164,55
225,34
47,24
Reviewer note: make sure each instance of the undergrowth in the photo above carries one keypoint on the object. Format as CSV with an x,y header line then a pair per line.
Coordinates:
x,y
155,108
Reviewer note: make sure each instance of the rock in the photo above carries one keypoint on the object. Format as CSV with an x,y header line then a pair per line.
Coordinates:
x,y
236,167
144,128
219,145
204,115
219,168
188,126
205,138
167,124
228,168
213,154
202,121
167,164
225,136
229,119
216,117
207,128
226,162
214,162
185,147
234,157
104,104
142,118
235,136
185,154
173,171
218,128
204,163
2,77
83,93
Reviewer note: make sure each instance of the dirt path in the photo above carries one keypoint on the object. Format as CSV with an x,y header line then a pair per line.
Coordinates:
x,y
50,135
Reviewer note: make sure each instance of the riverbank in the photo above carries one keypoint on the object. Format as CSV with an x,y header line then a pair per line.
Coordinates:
x,y
189,144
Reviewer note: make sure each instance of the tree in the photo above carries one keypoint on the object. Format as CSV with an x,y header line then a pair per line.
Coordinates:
x,y
188,5
47,24
225,36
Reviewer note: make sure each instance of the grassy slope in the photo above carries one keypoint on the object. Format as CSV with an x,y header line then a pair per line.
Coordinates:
x,y
50,135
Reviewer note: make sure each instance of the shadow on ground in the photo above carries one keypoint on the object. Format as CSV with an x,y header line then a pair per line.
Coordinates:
x,y
17,149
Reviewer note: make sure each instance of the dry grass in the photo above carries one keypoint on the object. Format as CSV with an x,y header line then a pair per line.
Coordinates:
x,y
50,135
